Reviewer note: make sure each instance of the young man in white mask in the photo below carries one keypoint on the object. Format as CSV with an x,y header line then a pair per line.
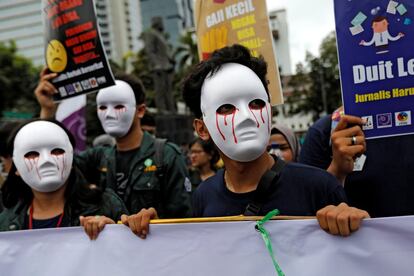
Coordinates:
x,y
129,168
229,96
45,190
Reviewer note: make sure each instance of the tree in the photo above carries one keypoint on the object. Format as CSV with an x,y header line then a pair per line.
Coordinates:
x,y
141,69
186,55
18,79
187,52
316,86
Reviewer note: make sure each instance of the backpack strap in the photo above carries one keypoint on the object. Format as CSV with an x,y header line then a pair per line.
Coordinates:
x,y
266,186
159,144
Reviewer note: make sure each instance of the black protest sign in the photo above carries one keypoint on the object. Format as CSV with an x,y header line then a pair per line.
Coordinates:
x,y
73,48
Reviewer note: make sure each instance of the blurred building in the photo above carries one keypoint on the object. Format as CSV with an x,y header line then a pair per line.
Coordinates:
x,y
279,28
20,20
119,21
299,123
120,26
177,16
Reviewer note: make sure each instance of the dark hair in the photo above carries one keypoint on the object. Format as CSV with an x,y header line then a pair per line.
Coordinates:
x,y
136,85
77,191
6,130
233,54
148,120
378,19
209,147
275,131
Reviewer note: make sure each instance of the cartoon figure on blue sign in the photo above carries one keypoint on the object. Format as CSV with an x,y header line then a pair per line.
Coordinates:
x,y
381,35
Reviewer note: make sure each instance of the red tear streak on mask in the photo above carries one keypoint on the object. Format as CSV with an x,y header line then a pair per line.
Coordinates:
x,y
268,119
218,127
62,169
32,163
257,122
261,114
225,123
119,112
232,126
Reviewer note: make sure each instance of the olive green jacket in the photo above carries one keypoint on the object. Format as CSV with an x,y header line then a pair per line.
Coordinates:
x,y
110,206
166,188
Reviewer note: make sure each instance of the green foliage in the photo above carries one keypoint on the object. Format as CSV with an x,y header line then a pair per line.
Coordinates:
x,y
141,69
18,79
186,55
317,74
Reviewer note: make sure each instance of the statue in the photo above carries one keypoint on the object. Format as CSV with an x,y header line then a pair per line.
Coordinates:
x,y
161,65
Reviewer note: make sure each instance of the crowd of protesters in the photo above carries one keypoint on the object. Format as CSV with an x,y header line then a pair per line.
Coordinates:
x,y
132,176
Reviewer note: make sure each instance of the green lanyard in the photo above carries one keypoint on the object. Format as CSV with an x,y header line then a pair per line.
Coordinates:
x,y
267,240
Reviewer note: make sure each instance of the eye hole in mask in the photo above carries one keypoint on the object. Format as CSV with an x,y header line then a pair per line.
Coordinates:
x,y
102,107
226,109
57,151
119,106
257,104
31,155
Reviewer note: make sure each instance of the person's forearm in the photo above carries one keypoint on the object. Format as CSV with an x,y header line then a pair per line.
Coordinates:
x,y
48,113
335,171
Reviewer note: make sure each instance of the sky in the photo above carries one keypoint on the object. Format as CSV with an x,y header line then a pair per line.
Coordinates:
x,y
308,22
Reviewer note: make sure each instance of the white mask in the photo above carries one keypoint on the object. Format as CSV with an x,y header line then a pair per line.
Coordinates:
x,y
116,108
43,156
237,112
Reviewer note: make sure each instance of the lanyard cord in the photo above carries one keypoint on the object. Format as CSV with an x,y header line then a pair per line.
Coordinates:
x,y
31,218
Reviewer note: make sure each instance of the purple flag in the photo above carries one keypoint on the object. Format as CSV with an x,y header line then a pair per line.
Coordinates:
x,y
72,113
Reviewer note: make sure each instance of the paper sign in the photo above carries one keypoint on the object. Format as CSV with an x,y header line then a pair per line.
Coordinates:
x,y
401,9
359,19
227,22
73,48
359,163
391,7
356,30
377,65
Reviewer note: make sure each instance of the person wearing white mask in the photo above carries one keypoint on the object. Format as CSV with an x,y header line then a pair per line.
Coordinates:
x,y
45,190
116,108
228,94
131,167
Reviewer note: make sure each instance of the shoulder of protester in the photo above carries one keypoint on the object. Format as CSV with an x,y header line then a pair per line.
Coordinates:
x,y
13,218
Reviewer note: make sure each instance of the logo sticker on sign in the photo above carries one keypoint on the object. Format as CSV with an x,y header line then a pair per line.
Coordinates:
x,y
403,118
368,123
384,120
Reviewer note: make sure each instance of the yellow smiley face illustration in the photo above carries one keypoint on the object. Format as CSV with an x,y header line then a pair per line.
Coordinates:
x,y
56,56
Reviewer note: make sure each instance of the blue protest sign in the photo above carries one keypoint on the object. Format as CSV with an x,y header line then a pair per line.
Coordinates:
x,y
376,57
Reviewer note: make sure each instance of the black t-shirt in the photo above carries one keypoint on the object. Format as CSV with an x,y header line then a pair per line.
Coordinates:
x,y
45,223
301,191
123,165
195,179
385,186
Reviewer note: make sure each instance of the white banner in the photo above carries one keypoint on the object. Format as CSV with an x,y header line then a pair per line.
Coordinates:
x,y
380,247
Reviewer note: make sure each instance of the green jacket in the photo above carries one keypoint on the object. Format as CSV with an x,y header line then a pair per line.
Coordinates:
x,y
167,189
111,206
